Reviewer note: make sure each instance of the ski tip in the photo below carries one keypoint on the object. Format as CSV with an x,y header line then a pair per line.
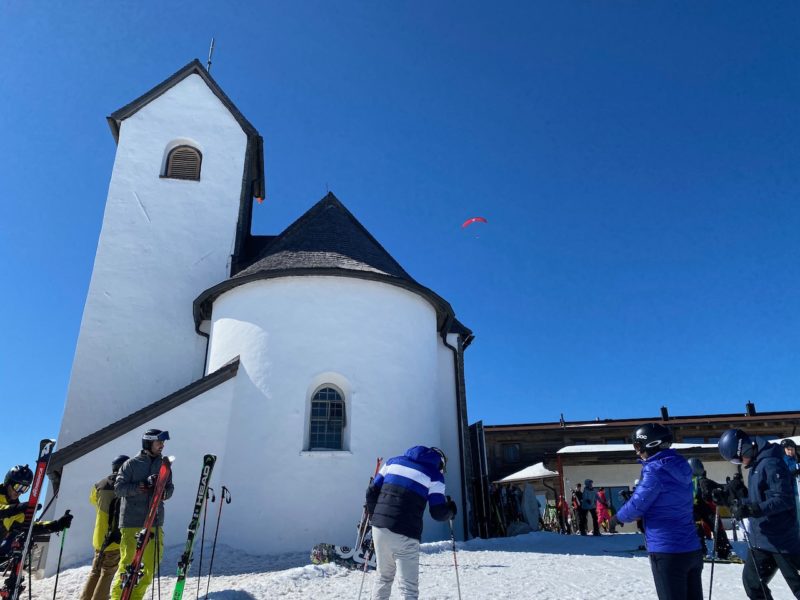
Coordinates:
x,y
169,459
208,457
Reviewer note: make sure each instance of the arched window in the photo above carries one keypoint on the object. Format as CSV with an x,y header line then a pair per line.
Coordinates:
x,y
183,162
327,420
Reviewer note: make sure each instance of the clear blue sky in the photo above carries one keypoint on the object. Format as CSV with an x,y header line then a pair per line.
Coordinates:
x,y
637,162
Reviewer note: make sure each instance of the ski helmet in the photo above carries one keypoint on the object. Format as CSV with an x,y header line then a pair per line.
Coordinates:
x,y
735,444
153,435
588,483
698,470
20,477
443,457
651,438
788,443
117,463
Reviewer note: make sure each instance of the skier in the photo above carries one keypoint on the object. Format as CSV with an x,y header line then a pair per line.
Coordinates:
x,y
589,506
134,485
577,499
562,508
15,514
770,506
106,535
790,458
396,502
705,511
604,511
663,500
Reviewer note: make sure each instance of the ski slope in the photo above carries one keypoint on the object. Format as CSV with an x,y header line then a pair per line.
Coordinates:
x,y
537,566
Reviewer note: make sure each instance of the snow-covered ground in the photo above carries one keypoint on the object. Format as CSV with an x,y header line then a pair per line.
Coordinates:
x,y
541,566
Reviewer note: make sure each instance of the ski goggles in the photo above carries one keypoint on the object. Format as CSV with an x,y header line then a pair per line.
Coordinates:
x,y
161,436
20,488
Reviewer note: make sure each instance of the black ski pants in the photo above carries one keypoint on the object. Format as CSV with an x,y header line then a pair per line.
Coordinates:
x,y
678,576
768,564
582,520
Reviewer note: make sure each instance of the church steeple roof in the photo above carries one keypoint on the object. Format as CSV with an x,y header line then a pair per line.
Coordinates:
x,y
326,240
193,68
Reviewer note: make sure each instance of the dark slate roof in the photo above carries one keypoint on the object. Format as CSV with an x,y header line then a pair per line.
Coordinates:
x,y
327,240
193,68
140,417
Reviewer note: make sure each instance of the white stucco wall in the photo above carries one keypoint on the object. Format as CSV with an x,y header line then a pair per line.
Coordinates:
x,y
163,241
196,428
374,341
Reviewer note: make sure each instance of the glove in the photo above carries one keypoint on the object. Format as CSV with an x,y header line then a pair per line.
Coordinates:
x,y
719,497
736,488
743,511
451,506
64,522
148,484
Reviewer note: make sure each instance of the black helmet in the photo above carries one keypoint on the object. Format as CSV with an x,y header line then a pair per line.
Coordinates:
x,y
443,463
651,438
21,477
734,444
698,469
117,463
788,443
153,435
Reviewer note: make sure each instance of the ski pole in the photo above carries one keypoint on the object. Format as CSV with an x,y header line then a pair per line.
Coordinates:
x,y
746,537
210,491
367,556
455,557
713,552
60,554
225,495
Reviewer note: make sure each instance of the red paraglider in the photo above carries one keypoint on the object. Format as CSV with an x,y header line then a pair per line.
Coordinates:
x,y
469,222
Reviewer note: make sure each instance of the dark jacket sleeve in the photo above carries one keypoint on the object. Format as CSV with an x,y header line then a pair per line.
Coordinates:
x,y
373,491
778,495
169,488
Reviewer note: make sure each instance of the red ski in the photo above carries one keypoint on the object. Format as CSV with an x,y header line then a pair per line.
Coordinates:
x,y
133,571
13,585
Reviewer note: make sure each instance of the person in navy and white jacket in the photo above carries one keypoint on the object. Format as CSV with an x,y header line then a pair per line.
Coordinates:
x,y
396,503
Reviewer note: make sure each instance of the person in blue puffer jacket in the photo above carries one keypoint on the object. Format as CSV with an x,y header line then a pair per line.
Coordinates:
x,y
664,501
396,502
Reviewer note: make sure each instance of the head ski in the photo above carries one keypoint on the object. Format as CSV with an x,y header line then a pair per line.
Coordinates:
x,y
200,500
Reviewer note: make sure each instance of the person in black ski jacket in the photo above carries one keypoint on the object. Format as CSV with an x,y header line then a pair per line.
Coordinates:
x,y
396,502
134,485
768,504
106,536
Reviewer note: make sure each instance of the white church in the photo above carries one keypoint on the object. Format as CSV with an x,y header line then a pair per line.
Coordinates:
x,y
295,358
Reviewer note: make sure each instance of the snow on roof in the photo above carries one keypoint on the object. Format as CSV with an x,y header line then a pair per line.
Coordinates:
x,y
537,471
592,448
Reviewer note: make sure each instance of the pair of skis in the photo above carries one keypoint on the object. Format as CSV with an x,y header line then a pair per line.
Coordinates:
x,y
133,571
13,585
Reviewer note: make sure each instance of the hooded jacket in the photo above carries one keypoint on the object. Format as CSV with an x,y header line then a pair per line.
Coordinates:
x,y
404,485
769,488
663,499
135,504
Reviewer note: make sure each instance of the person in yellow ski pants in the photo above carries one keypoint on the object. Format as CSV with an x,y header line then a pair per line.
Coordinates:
x,y
152,556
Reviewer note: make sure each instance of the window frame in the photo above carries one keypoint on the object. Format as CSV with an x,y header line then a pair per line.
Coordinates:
x,y
316,436
167,162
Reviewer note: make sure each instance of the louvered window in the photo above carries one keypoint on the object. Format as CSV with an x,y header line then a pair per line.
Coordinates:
x,y
183,162
327,420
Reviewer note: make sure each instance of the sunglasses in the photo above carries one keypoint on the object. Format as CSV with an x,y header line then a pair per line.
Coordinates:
x,y
20,488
